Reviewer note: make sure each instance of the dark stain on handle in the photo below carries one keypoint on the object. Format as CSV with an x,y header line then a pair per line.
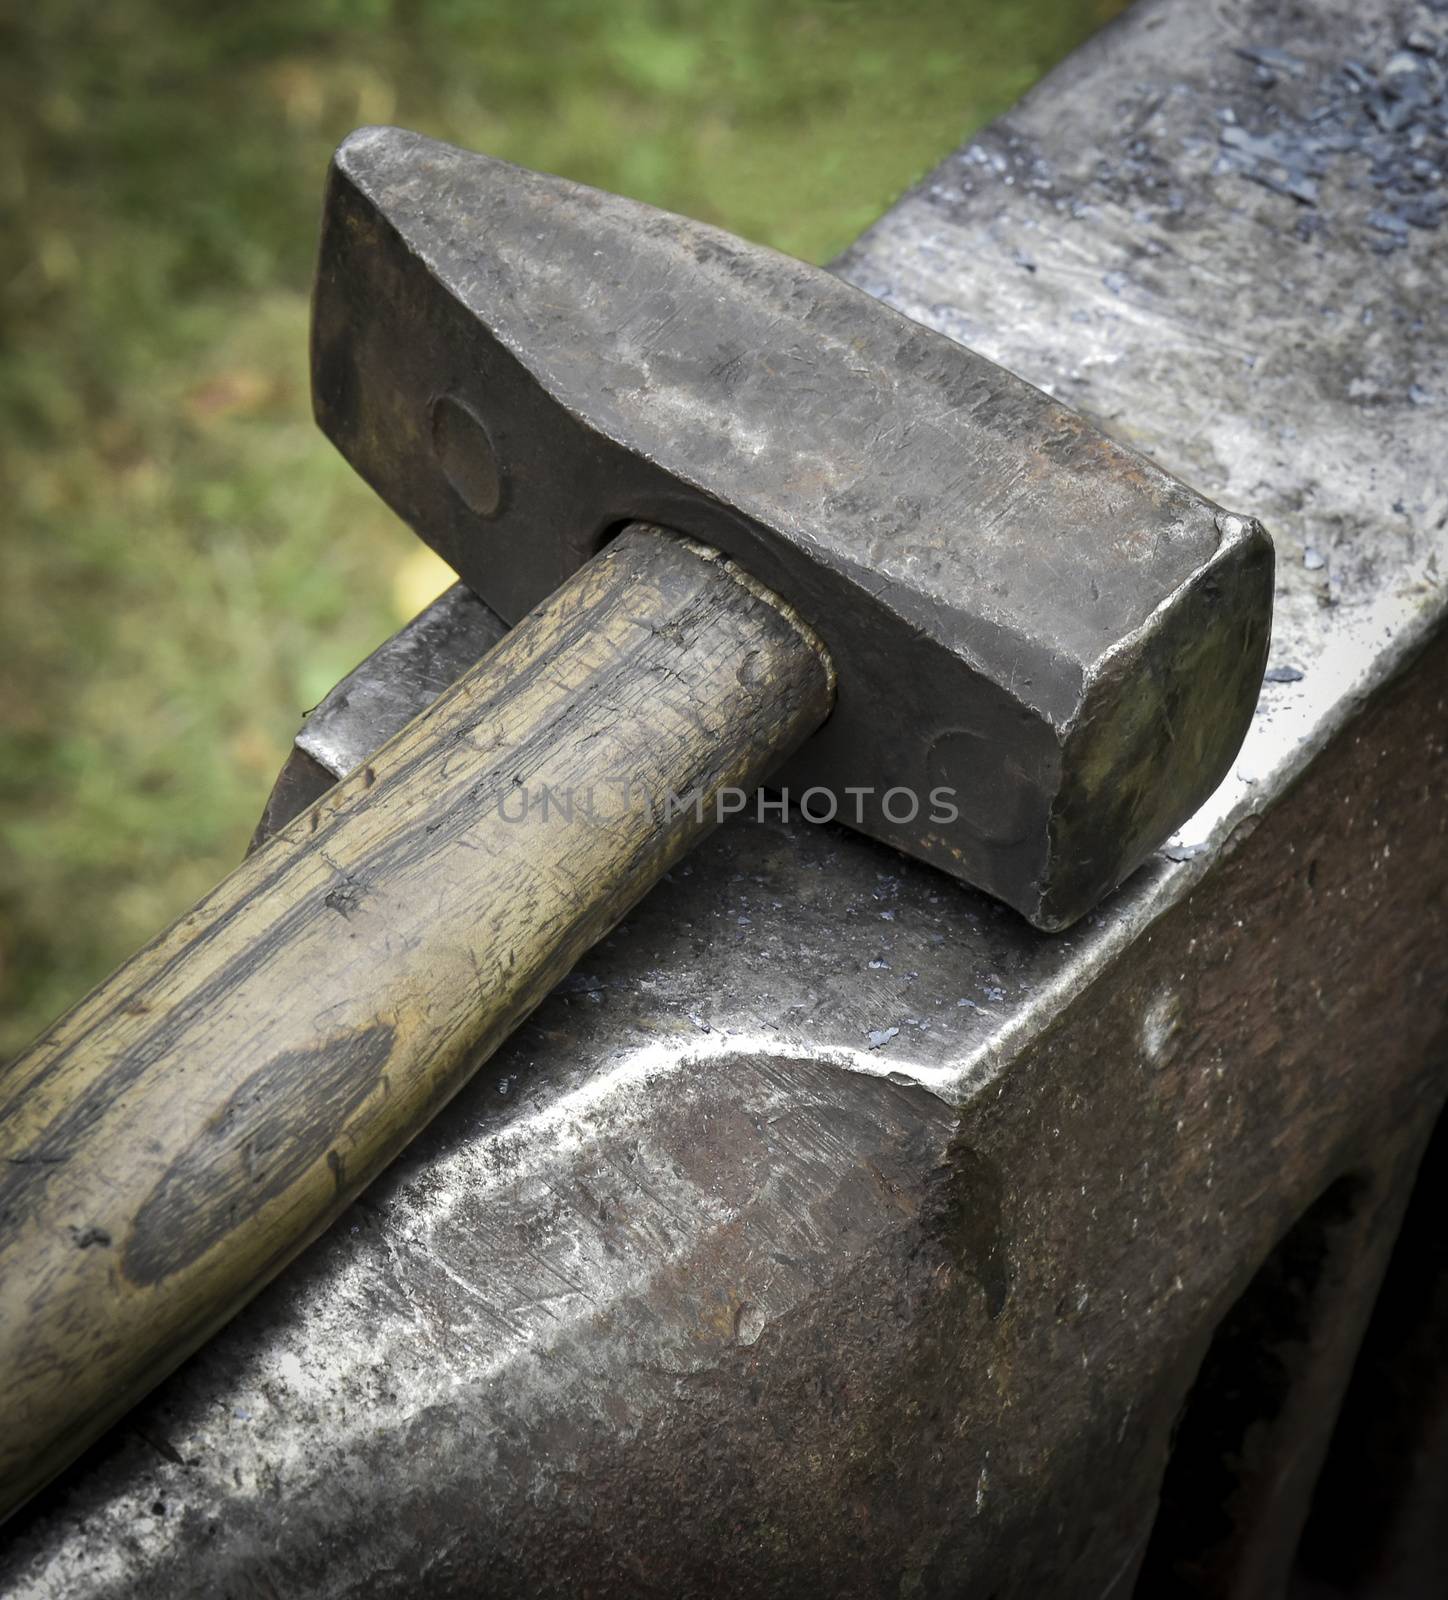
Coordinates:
x,y
280,1122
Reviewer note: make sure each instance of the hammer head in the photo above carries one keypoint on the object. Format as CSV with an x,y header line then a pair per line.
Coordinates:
x,y
1023,613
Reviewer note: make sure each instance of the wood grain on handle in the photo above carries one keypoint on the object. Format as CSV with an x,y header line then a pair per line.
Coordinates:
x,y
175,1139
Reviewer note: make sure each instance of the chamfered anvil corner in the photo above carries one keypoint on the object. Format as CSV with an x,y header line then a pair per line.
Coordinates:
x,y
1023,613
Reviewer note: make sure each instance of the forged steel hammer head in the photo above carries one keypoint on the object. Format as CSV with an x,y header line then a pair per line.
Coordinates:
x,y
1022,612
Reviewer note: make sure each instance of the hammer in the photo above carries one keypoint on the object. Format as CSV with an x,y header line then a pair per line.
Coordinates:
x,y
748,521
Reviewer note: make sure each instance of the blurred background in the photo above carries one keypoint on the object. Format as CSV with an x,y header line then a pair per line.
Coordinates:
x,y
187,566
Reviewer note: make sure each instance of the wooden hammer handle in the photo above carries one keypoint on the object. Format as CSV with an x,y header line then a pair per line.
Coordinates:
x,y
177,1138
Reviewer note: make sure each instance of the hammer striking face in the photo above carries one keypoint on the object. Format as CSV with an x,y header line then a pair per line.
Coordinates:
x,y
1023,614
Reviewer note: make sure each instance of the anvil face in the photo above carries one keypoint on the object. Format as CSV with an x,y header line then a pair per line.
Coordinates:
x,y
1025,616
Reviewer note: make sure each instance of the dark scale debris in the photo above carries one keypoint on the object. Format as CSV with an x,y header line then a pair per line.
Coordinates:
x,y
1393,114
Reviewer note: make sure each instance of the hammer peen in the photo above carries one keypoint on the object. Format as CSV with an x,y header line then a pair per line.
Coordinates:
x,y
746,519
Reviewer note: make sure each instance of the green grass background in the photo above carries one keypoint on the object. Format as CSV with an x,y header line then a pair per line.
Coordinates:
x,y
186,565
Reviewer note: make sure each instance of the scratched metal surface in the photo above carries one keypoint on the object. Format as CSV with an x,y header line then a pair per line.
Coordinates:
x,y
665,1162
